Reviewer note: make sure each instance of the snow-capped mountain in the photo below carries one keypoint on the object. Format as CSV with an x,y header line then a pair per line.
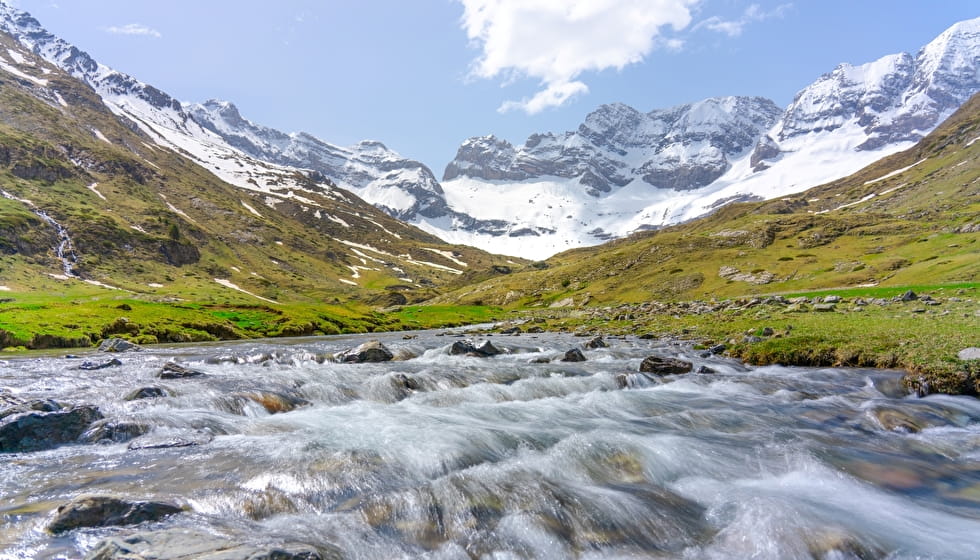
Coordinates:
x,y
620,171
624,170
403,188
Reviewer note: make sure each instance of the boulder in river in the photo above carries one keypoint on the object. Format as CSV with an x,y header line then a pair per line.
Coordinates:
x,y
574,355
369,352
173,370
145,393
36,431
596,342
184,544
92,366
465,348
118,345
665,366
106,511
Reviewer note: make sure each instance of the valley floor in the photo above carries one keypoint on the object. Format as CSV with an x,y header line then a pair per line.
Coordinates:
x,y
922,330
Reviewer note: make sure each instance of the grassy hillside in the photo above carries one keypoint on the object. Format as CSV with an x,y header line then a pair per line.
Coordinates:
x,y
155,231
909,222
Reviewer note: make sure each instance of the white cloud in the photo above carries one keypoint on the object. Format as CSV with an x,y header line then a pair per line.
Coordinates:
x,y
734,28
556,41
134,29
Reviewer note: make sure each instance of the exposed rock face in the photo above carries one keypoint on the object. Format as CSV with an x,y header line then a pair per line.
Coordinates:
x,y
185,544
36,431
897,98
104,511
371,351
680,148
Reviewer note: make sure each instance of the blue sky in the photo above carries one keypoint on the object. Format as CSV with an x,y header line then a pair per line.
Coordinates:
x,y
424,75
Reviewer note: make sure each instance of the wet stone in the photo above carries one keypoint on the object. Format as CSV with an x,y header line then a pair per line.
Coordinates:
x,y
173,370
574,355
146,393
185,544
665,366
463,348
369,352
92,366
118,345
106,511
36,431
114,431
595,343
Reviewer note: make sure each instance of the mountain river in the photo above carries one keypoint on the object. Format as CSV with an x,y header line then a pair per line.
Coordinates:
x,y
518,455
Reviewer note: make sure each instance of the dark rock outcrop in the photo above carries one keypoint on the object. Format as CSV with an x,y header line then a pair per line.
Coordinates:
x,y
145,393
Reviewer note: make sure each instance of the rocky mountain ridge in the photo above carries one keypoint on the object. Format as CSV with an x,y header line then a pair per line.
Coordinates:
x,y
620,171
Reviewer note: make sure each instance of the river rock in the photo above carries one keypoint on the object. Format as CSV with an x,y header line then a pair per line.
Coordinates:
x,y
17,406
972,353
596,342
106,511
188,544
274,402
463,348
512,330
173,370
665,366
146,393
118,345
573,355
92,366
535,330
36,431
369,352
114,431
152,441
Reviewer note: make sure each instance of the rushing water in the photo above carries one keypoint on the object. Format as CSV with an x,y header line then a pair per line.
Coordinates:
x,y
441,456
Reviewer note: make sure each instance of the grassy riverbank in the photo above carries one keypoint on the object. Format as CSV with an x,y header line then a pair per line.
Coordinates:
x,y
868,327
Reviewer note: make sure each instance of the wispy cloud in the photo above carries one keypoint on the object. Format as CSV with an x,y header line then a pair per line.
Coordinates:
x,y
555,42
134,29
734,28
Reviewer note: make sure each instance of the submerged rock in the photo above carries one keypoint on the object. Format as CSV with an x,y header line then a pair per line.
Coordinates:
x,y
106,511
665,366
369,352
114,431
185,544
17,406
173,370
118,345
36,431
92,366
146,393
